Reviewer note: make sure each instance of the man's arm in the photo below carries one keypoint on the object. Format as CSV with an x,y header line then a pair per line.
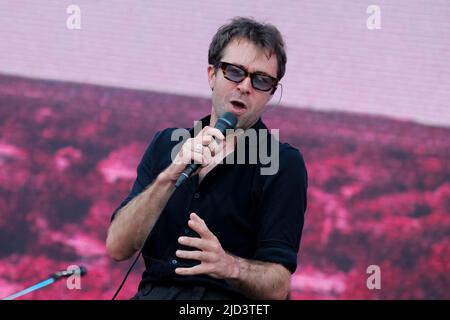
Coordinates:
x,y
255,279
133,223
260,280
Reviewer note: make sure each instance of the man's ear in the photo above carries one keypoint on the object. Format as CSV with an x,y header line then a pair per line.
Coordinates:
x,y
211,76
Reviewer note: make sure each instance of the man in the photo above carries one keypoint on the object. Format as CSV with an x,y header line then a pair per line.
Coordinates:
x,y
229,231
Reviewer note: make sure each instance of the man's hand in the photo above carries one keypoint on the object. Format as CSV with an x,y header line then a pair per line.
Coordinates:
x,y
200,149
255,279
215,262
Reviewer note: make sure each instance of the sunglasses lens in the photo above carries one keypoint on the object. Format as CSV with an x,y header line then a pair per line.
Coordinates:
x,y
262,82
234,74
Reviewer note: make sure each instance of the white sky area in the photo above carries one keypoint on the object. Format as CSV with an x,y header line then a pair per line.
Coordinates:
x,y
401,70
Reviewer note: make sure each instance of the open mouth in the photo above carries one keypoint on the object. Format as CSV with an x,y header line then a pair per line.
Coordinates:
x,y
238,107
238,104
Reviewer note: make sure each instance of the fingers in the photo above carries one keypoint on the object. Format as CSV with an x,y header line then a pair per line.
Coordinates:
x,y
211,144
213,132
198,225
194,255
193,242
207,156
212,141
192,150
210,253
211,137
198,269
207,238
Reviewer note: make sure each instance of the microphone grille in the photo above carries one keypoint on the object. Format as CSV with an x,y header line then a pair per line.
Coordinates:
x,y
228,119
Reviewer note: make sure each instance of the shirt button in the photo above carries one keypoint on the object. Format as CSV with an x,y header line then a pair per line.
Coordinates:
x,y
174,261
186,231
196,195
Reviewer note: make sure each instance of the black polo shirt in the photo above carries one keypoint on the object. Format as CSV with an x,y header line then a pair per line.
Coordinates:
x,y
254,216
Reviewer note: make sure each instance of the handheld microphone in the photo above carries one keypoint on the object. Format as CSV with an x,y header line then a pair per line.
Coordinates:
x,y
227,121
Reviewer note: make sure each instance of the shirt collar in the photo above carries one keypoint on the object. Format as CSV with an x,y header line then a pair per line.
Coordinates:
x,y
203,122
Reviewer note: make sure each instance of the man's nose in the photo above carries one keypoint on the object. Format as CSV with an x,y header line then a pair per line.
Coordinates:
x,y
245,86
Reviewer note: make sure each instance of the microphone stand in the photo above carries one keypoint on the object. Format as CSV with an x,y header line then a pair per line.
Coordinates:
x,y
46,282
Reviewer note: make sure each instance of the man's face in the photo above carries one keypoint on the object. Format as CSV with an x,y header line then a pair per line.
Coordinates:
x,y
246,102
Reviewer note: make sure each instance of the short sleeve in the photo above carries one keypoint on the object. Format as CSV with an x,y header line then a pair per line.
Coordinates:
x,y
146,173
281,211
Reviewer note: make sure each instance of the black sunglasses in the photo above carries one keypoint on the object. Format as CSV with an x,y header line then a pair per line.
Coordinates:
x,y
260,81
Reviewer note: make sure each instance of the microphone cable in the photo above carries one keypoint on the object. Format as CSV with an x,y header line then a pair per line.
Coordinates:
x,y
131,267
